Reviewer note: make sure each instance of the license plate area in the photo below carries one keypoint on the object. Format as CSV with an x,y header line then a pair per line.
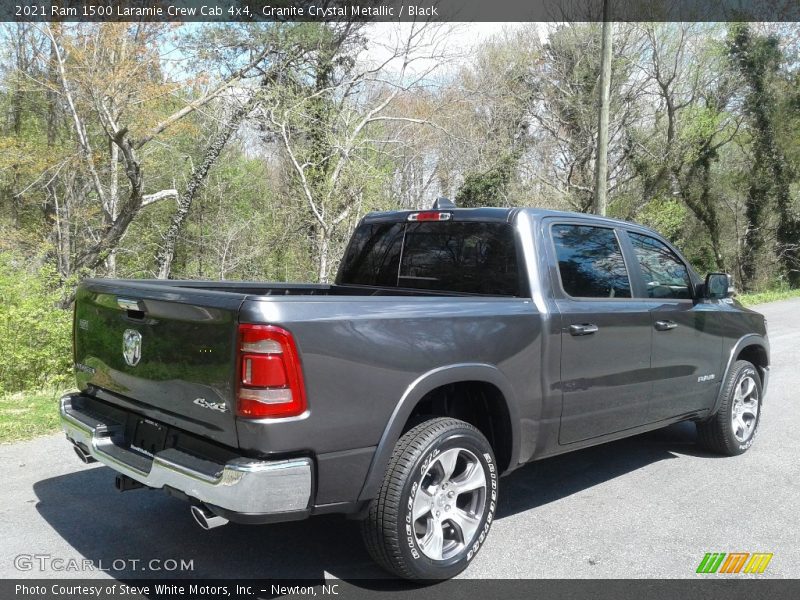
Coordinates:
x,y
149,437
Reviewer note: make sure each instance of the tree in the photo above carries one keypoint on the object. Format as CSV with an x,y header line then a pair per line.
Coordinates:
x,y
324,113
758,59
692,123
565,110
492,135
601,159
106,85
239,112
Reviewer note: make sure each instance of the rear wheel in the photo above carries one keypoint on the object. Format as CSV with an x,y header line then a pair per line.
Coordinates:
x,y
733,428
436,503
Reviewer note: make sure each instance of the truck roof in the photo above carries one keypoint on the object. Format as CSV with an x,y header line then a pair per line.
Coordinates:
x,y
498,214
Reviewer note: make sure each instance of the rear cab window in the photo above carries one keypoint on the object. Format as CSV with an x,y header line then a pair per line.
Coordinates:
x,y
464,257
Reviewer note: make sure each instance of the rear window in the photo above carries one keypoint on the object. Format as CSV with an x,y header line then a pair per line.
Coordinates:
x,y
462,257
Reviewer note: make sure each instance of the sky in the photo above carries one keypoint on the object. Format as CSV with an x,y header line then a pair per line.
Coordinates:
x,y
459,38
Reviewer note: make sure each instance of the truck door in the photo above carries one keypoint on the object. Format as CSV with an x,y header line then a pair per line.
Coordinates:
x,y
606,334
687,336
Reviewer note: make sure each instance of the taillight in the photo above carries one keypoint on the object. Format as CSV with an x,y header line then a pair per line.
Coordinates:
x,y
429,216
270,374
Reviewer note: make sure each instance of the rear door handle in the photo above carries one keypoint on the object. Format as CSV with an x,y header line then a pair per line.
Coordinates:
x,y
583,329
665,325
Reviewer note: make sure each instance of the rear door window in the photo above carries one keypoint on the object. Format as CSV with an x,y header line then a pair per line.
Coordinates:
x,y
590,262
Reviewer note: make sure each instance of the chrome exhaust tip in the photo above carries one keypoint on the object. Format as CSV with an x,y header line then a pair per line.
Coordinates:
x,y
85,457
205,518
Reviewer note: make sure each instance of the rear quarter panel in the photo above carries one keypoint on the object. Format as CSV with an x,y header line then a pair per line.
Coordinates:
x,y
362,356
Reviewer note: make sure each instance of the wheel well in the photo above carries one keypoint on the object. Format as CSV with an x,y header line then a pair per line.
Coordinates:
x,y
477,402
756,355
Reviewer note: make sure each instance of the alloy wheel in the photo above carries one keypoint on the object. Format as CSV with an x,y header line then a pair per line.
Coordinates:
x,y
744,413
449,504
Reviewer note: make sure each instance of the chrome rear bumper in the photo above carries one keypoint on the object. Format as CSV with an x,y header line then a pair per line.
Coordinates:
x,y
241,485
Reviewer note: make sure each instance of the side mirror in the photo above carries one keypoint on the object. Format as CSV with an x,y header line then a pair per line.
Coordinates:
x,y
717,286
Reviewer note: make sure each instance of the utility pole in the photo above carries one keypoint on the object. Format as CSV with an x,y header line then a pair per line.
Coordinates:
x,y
601,159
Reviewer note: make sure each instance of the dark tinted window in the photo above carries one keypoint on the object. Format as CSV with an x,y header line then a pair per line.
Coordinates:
x,y
472,258
590,262
374,255
665,276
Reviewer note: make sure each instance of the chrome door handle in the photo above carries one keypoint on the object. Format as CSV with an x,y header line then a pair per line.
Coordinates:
x,y
583,329
665,325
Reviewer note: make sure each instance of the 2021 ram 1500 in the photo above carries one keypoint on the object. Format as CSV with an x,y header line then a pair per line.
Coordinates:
x,y
454,346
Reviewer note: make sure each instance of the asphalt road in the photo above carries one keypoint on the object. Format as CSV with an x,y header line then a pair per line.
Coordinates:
x,y
649,506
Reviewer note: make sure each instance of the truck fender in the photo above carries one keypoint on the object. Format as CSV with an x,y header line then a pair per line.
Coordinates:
x,y
751,339
424,384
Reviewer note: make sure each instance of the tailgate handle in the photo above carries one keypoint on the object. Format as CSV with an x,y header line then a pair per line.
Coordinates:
x,y
135,308
128,304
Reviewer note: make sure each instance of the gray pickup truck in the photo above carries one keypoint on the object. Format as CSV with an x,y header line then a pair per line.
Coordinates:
x,y
455,346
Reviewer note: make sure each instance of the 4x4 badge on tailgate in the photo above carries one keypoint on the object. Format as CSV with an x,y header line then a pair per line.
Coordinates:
x,y
218,406
132,346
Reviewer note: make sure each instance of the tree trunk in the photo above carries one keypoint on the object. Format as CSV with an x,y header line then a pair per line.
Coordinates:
x,y
601,160
323,247
113,204
167,252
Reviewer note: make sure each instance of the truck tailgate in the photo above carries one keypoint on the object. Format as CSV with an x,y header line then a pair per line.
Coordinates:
x,y
167,351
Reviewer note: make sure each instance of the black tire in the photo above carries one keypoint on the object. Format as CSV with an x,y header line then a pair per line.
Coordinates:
x,y
718,433
390,533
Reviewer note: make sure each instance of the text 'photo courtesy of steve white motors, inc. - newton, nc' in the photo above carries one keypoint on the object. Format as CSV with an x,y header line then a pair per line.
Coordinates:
x,y
240,11
165,589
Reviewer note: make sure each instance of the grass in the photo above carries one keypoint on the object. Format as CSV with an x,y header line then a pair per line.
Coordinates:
x,y
768,296
26,415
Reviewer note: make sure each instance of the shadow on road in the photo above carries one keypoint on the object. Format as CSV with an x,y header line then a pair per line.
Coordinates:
x,y
554,478
104,525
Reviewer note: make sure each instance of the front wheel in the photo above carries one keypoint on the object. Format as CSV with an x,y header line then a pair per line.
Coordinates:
x,y
437,501
733,428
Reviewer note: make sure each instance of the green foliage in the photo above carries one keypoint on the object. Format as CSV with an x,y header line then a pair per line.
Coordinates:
x,y
666,216
514,125
758,59
774,295
35,335
488,188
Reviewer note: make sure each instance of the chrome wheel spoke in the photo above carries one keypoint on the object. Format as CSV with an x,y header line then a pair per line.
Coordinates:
x,y
472,479
750,408
422,504
433,541
748,386
448,460
466,523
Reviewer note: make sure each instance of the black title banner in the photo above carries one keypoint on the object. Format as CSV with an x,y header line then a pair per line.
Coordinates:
x,y
519,589
398,10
